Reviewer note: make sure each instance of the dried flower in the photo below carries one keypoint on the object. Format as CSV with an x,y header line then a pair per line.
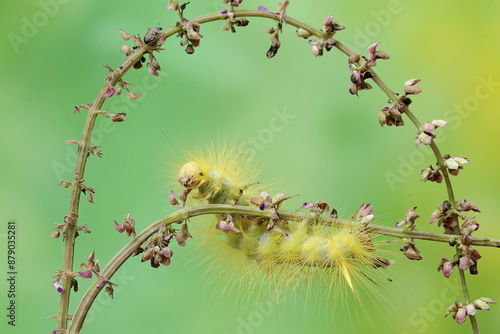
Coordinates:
x,y
447,269
111,90
172,199
133,96
431,173
410,88
460,316
454,165
374,54
125,36
58,287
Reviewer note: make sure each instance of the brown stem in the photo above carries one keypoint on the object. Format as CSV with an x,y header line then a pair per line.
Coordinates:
x,y
83,154
126,252
76,188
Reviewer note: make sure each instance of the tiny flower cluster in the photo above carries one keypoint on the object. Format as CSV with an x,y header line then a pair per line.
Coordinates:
x,y
391,114
448,218
274,33
318,208
227,225
232,21
409,221
365,214
127,226
157,250
264,201
410,249
426,134
361,71
329,29
191,30
460,312
453,165
92,268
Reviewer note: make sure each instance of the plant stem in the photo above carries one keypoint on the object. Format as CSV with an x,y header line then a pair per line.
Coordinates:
x,y
128,250
125,253
76,188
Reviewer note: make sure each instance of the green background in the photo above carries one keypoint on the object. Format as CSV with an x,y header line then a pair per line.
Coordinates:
x,y
331,149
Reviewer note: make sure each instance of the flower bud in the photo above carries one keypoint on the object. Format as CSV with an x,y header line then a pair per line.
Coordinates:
x,y
464,263
447,269
481,304
471,310
461,315
125,36
180,240
133,96
58,287
282,5
301,32
148,254
126,49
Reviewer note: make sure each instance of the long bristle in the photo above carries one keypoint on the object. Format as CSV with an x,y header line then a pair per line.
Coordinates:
x,y
339,262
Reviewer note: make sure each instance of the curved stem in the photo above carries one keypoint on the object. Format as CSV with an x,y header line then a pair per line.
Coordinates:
x,y
117,261
76,187
128,250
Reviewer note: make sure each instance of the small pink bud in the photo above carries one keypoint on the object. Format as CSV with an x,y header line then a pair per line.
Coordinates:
x,y
153,72
447,269
125,36
282,5
133,96
328,20
111,90
167,252
471,310
172,199
58,287
180,240
464,263
373,48
412,82
100,284
85,274
120,228
435,216
223,226
461,315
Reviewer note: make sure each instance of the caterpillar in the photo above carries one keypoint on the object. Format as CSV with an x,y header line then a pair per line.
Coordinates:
x,y
286,254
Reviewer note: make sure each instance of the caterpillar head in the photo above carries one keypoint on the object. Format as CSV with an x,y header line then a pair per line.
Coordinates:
x,y
191,176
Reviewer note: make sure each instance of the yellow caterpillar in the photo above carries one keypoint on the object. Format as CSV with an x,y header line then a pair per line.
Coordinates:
x,y
286,255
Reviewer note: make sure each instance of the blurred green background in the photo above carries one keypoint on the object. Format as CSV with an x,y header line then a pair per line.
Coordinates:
x,y
330,147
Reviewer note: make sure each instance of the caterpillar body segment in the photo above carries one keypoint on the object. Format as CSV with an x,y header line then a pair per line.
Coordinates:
x,y
211,186
289,255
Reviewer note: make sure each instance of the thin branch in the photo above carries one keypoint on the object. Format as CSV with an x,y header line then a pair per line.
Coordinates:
x,y
129,249
126,252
